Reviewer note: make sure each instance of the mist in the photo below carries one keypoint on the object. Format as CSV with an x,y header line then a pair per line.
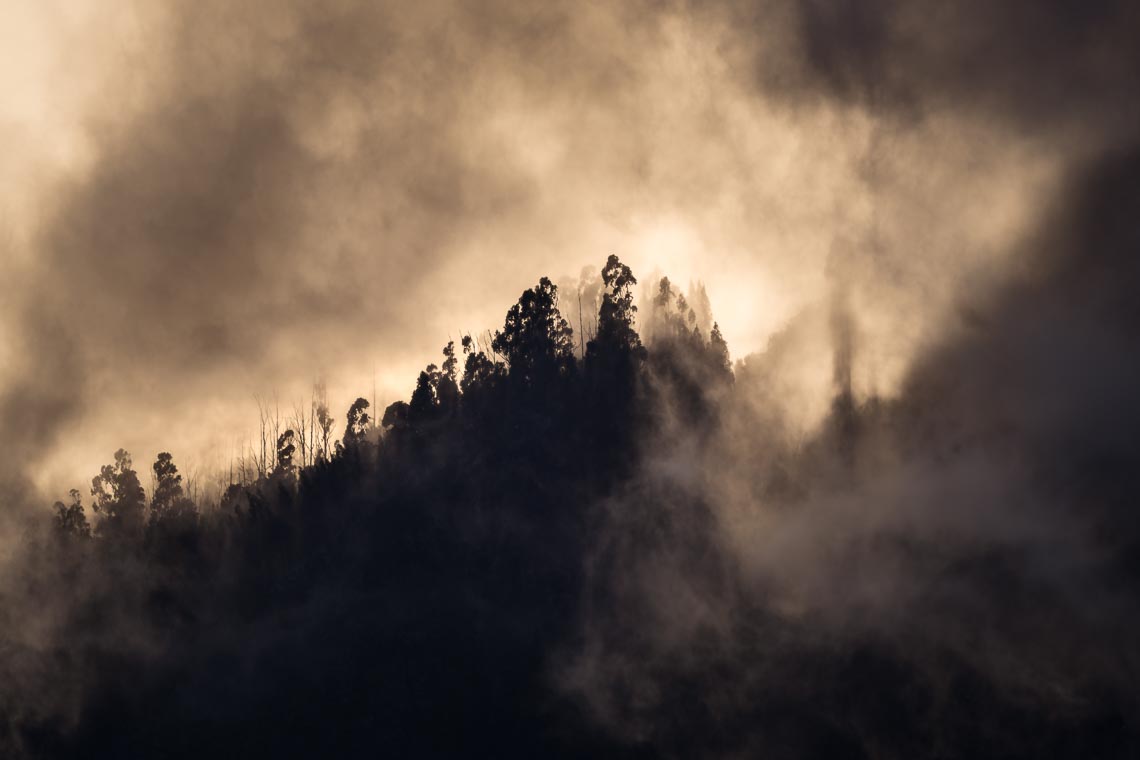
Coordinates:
x,y
883,509
265,196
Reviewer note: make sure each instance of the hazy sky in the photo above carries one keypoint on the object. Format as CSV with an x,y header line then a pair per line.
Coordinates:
x,y
206,201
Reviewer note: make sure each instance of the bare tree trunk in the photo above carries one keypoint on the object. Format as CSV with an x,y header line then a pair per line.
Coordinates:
x,y
191,479
581,325
297,424
261,414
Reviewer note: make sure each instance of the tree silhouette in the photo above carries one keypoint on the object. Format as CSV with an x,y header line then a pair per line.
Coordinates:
x,y
119,498
395,416
479,370
447,387
689,373
616,333
613,366
70,519
356,423
323,437
168,483
536,340
285,450
528,518
718,350
422,408
172,532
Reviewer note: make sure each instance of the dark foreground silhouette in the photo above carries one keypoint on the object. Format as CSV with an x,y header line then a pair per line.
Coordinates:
x,y
533,558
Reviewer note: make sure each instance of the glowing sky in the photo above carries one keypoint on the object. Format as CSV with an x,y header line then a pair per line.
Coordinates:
x,y
206,202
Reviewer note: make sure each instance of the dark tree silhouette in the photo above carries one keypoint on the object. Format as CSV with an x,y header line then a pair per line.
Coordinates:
x,y
285,450
325,423
614,361
536,340
168,485
690,374
356,422
718,349
169,503
479,370
487,574
424,403
616,333
70,519
396,415
447,387
119,499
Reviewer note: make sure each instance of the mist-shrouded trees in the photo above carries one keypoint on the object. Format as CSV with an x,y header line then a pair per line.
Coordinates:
x,y
613,364
286,448
71,519
168,484
447,386
479,370
395,416
498,557
424,404
464,515
357,422
482,560
169,502
436,395
536,340
323,435
120,500
173,525
481,388
718,348
524,404
616,332
689,371
614,355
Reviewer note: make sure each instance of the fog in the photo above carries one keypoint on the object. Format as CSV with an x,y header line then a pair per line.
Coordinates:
x,y
889,514
215,203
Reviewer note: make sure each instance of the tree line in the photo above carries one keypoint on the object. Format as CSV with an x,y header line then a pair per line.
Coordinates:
x,y
458,522
526,559
527,388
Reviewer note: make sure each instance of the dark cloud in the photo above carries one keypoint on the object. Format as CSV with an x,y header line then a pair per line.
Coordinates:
x,y
1034,66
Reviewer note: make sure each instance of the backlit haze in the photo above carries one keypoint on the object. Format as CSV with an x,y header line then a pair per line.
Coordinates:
x,y
207,202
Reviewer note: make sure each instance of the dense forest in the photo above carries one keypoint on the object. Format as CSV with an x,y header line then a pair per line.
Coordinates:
x,y
608,546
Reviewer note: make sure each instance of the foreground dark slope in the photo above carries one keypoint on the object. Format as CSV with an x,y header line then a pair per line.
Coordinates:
x,y
534,559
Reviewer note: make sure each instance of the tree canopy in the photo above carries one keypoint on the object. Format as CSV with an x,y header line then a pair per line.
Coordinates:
x,y
519,560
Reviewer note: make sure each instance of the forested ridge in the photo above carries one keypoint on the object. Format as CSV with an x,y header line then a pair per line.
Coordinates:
x,y
531,557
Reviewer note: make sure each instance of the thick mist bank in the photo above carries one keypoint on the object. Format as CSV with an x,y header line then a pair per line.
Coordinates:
x,y
618,546
898,520
207,202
